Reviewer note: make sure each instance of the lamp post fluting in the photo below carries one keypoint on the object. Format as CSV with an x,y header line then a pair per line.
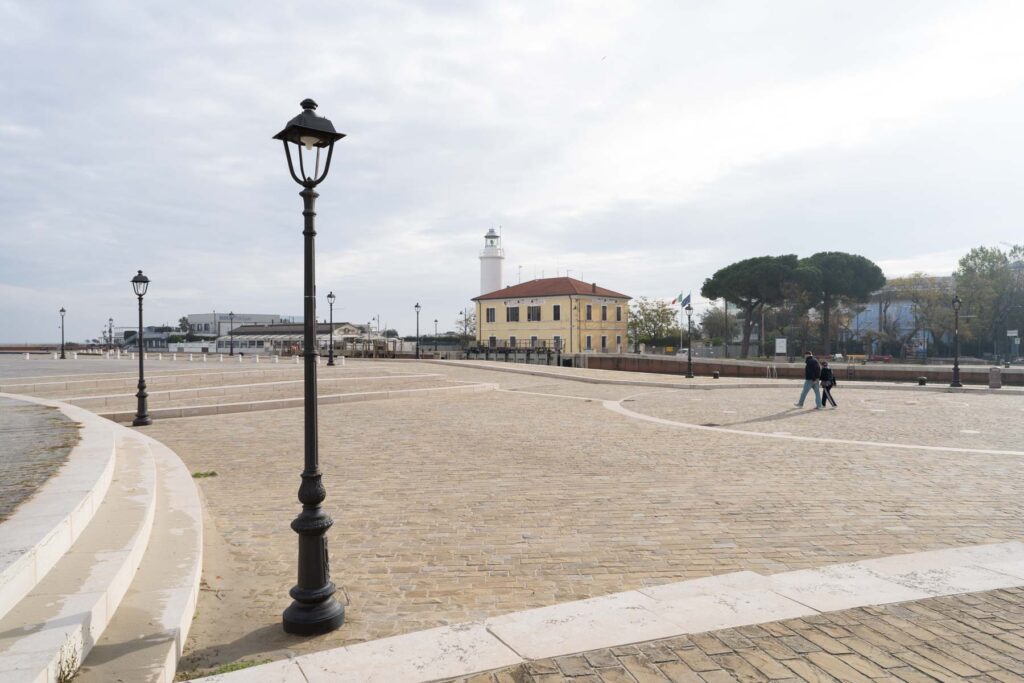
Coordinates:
x,y
140,283
417,307
435,337
62,312
957,302
330,353
689,341
314,609
231,333
110,334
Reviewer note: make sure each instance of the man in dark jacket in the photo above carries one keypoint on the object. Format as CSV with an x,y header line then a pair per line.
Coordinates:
x,y
812,373
828,380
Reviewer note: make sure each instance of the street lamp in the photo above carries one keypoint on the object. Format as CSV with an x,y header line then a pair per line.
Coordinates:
x,y
62,312
231,332
417,307
110,334
140,283
330,354
957,302
689,341
314,609
435,336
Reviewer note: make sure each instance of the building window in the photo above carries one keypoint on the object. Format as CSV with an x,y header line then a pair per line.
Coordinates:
x,y
512,342
533,342
512,314
558,342
590,346
533,314
618,342
492,341
490,315
604,313
604,343
618,314
556,312
590,312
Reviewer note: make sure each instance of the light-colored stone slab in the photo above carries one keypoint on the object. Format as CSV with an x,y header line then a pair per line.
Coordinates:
x,y
422,656
699,613
953,570
284,671
708,585
841,586
582,625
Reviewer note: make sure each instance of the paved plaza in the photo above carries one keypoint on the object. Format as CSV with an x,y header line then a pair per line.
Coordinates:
x,y
452,506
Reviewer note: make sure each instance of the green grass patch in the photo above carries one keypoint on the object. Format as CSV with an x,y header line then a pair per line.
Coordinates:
x,y
203,475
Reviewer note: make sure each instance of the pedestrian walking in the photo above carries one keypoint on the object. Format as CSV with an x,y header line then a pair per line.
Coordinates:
x,y
812,376
828,380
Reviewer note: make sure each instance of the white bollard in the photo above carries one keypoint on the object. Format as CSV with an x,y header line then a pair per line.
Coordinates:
x,y
133,355
240,358
174,356
220,357
119,353
26,356
159,356
54,356
343,361
74,355
190,358
276,358
257,359
296,360
318,360
204,357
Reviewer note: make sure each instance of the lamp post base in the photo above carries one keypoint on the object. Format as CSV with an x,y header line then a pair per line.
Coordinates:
x,y
304,619
142,421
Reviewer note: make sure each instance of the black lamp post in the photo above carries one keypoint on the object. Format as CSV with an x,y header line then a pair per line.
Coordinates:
x,y
110,334
62,312
314,609
231,333
957,302
140,283
435,336
330,354
417,307
689,341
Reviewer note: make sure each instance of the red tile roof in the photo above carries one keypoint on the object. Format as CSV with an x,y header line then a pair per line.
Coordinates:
x,y
551,286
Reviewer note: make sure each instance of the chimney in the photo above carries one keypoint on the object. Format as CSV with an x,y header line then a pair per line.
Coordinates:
x,y
593,287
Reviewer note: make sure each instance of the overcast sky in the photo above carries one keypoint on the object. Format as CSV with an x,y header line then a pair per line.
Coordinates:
x,y
642,145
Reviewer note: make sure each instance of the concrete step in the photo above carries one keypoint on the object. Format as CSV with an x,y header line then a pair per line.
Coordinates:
x,y
43,528
147,634
50,631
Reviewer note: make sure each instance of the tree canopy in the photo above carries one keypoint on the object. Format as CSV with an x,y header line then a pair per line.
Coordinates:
x,y
830,277
750,284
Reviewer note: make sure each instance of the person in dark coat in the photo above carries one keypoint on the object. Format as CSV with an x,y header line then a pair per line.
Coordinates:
x,y
812,375
828,380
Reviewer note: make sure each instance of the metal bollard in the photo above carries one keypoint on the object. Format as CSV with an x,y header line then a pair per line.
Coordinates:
x,y
714,375
921,381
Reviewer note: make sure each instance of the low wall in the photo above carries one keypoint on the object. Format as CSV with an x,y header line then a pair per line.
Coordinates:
x,y
872,372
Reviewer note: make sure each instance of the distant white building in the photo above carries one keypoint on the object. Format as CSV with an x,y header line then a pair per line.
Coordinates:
x,y
217,324
491,258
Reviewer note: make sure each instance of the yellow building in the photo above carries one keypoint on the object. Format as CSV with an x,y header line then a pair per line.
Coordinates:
x,y
557,313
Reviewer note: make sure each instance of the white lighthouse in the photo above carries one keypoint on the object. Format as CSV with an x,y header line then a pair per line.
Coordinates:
x,y
491,258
